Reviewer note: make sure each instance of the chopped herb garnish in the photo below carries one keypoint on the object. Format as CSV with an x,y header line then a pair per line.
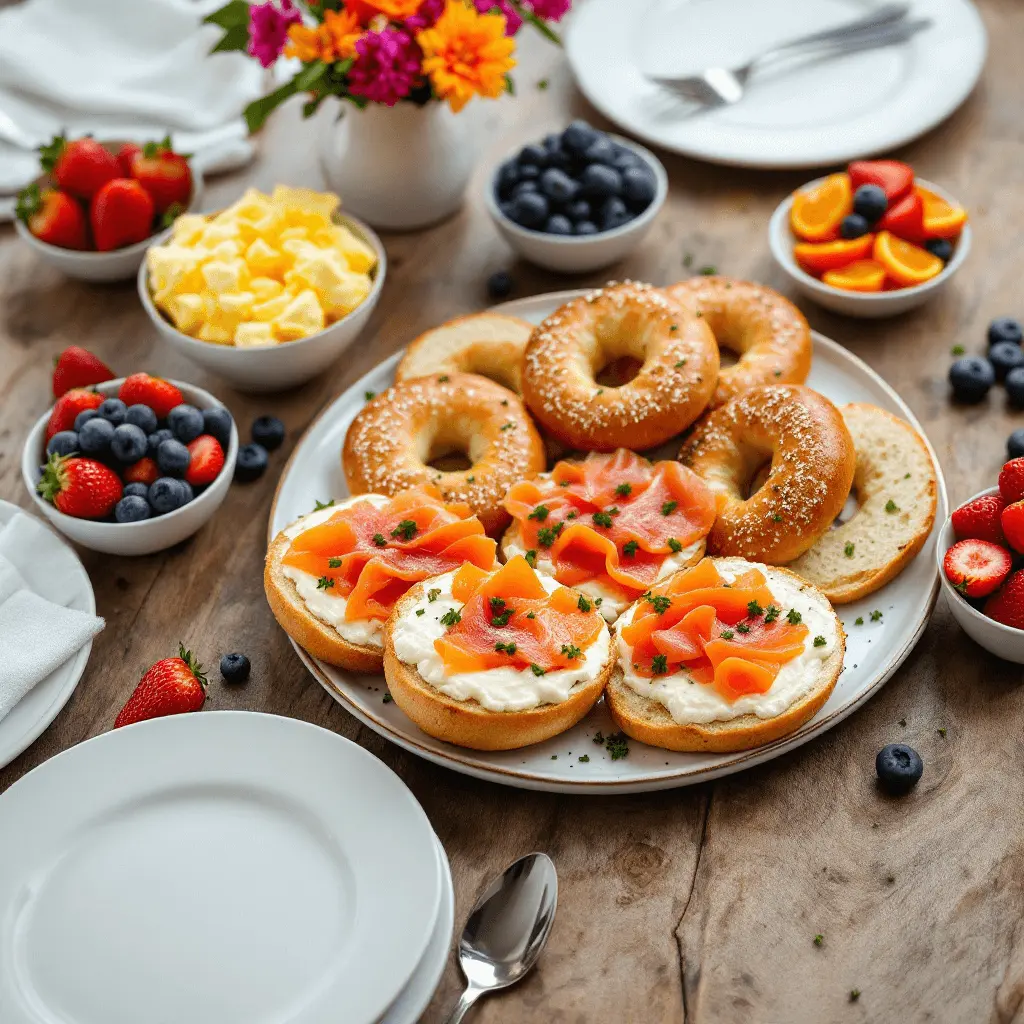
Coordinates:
x,y
709,271
772,613
602,519
583,604
669,507
497,603
659,664
726,634
820,641
451,618
531,615
540,513
891,506
537,670
674,546
848,549
876,616
502,618
333,563
369,395
753,608
906,476
420,611
793,617
531,558
597,602
470,479
599,738
941,732
506,426
623,490
660,602
855,992
564,483
542,84
957,350
776,517
443,379
504,402
325,583
617,745
613,511
433,594
742,627
599,391
386,699
819,939
859,621
509,648
688,260
571,651
546,536
320,505
674,327
679,365
571,514
585,758
629,548
406,529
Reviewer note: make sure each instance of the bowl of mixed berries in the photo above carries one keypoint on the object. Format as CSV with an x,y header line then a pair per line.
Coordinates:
x,y
97,206
128,465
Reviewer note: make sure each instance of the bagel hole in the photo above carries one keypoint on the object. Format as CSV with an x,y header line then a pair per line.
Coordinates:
x,y
448,450
450,462
726,357
758,477
618,372
850,509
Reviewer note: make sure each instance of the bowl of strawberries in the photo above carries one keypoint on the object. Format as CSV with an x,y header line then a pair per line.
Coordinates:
x,y
97,206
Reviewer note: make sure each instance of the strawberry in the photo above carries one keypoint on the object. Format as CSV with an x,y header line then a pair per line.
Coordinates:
x,y
895,179
1006,605
979,519
53,217
905,219
78,368
142,389
81,167
170,687
165,175
976,567
125,155
145,471
207,460
1011,480
121,213
1012,521
68,406
82,488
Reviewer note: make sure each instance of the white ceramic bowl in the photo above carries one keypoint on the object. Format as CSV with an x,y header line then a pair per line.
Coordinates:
x,y
275,367
132,538
576,254
1003,641
861,304
117,265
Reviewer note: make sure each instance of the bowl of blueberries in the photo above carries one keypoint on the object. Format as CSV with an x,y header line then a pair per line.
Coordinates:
x,y
579,200
163,468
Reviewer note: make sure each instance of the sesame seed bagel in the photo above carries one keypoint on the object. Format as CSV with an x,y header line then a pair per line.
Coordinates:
x,y
812,464
896,488
389,445
679,367
765,330
489,344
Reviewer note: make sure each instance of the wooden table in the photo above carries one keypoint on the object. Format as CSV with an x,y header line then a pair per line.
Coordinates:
x,y
698,904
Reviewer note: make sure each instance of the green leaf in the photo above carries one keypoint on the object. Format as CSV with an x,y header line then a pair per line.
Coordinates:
x,y
309,76
230,15
29,202
538,23
510,85
259,110
235,38
308,110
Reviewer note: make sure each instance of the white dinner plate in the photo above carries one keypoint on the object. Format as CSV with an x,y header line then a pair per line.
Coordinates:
x,y
873,651
827,112
69,587
216,868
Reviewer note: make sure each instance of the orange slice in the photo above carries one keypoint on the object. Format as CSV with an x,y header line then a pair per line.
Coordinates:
x,y
817,258
905,263
941,219
861,276
816,213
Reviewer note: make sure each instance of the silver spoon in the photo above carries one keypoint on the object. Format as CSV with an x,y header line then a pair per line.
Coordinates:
x,y
507,929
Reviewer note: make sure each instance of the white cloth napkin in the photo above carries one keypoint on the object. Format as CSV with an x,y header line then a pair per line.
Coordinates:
x,y
131,69
36,635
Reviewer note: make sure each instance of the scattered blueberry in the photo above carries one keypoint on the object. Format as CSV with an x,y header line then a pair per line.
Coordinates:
x,y
533,154
499,284
601,151
142,417
113,410
557,185
268,431
166,494
578,210
173,458
971,378
870,202
578,137
132,509
251,463
235,668
614,214
1005,356
95,436
1014,385
586,227
853,225
62,443
529,209
84,416
899,768
941,247
129,443
1015,444
140,490
217,423
186,422
559,224
156,439
600,181
1003,329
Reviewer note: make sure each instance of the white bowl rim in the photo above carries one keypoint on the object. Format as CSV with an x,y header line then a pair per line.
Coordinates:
x,y
187,340
661,193
39,428
778,230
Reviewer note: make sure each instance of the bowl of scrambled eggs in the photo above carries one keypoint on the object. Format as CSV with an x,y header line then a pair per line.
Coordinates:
x,y
268,292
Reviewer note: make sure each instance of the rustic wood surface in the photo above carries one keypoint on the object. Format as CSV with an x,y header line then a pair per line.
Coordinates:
x,y
700,904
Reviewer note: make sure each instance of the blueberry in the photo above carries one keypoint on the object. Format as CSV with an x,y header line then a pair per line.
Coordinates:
x,y
579,210
941,247
1014,384
971,377
268,431
156,439
187,493
586,227
601,151
141,416
84,416
173,458
235,668
132,509
507,176
639,187
1005,356
113,410
95,436
853,225
578,137
1015,442
559,224
528,172
62,443
534,155
556,184
128,443
560,160
251,463
870,202
600,181
553,142
217,423
1003,329
899,768
614,214
499,284
140,490
186,422
525,186
166,494
529,209
626,158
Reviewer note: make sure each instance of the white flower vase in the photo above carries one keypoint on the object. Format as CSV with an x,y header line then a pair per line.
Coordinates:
x,y
401,167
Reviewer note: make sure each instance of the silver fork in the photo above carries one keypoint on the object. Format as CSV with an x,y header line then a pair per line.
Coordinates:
x,y
884,26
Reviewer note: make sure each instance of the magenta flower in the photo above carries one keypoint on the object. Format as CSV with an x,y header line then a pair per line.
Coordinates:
x,y
512,20
268,29
549,10
386,67
429,12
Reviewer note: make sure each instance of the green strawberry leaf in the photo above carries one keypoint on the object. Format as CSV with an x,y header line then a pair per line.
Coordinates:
x,y
50,152
29,203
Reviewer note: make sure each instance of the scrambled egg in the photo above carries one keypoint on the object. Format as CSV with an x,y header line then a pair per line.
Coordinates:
x,y
266,270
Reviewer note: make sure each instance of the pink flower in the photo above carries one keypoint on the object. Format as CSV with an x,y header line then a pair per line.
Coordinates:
x,y
429,12
512,20
268,29
549,10
386,68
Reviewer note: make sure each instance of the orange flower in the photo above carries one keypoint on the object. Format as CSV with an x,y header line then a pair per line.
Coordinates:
x,y
334,40
393,10
466,54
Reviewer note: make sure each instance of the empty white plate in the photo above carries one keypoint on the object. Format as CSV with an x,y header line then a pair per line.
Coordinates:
x,y
214,868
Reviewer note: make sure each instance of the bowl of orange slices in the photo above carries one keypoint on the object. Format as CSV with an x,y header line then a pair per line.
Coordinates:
x,y
871,241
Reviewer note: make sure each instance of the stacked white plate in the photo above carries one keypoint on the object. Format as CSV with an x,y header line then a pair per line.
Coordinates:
x,y
219,868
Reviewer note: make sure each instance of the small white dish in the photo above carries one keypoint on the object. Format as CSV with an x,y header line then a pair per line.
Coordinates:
x,y
577,254
132,538
71,588
1003,641
869,305
275,367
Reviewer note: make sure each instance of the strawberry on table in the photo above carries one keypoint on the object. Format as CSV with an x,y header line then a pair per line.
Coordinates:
x,y
207,461
67,408
977,567
121,213
1007,604
164,174
77,367
979,519
1011,480
142,389
82,488
894,178
53,217
170,687
80,166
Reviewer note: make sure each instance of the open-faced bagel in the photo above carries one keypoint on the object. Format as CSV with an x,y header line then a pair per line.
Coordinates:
x,y
812,463
678,369
768,334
